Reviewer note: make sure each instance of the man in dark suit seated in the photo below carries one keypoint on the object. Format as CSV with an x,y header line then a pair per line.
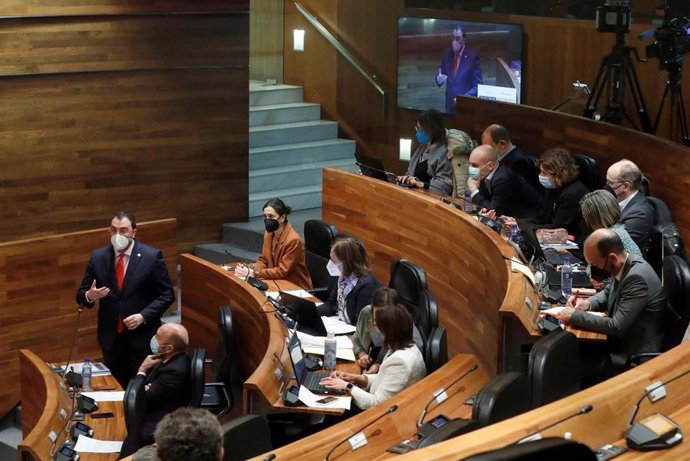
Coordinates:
x,y
510,155
167,370
132,286
496,188
623,180
190,434
634,301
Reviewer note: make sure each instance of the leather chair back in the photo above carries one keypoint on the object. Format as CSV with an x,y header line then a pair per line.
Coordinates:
x,y
318,238
505,396
409,280
677,288
589,172
197,376
553,368
426,315
547,449
662,214
135,405
238,433
436,350
225,353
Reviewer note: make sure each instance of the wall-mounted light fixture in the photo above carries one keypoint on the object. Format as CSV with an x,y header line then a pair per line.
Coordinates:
x,y
405,149
298,39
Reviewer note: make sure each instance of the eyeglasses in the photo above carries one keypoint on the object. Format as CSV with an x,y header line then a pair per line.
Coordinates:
x,y
613,184
457,38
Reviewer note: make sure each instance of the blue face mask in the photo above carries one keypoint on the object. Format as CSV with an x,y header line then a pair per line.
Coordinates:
x,y
154,345
475,172
422,137
546,182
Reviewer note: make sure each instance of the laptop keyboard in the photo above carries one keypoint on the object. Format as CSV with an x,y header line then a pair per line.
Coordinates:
x,y
312,379
557,258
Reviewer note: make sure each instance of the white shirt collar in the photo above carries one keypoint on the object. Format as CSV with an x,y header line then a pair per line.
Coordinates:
x,y
623,203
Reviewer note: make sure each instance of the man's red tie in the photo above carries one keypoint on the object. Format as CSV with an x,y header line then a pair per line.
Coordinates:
x,y
120,274
456,64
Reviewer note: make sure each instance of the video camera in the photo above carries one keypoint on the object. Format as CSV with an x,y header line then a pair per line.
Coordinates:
x,y
614,16
671,42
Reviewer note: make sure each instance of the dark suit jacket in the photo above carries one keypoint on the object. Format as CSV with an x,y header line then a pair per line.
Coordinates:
x,y
635,321
509,195
524,166
356,300
562,208
147,290
170,389
638,218
465,82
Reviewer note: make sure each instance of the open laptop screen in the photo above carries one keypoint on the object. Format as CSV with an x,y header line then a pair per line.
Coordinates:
x,y
296,356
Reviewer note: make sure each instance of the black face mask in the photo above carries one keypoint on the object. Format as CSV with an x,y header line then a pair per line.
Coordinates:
x,y
610,190
271,224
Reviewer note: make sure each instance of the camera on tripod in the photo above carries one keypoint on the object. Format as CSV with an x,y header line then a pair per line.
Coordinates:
x,y
671,42
614,16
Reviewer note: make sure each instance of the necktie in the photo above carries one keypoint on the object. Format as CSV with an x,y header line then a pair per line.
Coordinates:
x,y
456,64
120,270
120,274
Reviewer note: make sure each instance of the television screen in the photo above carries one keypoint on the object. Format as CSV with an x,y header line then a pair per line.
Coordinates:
x,y
439,59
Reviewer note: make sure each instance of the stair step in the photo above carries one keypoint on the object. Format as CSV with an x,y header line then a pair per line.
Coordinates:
x,y
244,235
299,198
270,179
301,153
261,94
284,113
287,133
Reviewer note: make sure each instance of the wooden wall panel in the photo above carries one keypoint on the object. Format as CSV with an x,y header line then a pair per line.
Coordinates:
x,y
557,52
38,283
146,112
266,40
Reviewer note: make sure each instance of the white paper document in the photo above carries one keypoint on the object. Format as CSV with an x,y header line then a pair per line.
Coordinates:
x,y
97,368
337,326
343,354
307,340
311,400
558,309
106,396
89,445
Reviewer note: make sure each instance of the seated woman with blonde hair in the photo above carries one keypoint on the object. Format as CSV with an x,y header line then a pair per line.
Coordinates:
x,y
600,209
402,366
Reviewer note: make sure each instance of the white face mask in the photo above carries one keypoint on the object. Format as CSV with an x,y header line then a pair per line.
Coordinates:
x,y
334,269
120,242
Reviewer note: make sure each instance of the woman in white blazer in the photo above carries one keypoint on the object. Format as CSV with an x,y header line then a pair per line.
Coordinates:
x,y
402,366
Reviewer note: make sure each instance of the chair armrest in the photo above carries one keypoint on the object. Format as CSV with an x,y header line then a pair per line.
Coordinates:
x,y
639,359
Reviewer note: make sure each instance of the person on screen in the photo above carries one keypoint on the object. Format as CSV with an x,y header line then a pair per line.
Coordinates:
x,y
356,283
282,254
402,366
460,70
429,165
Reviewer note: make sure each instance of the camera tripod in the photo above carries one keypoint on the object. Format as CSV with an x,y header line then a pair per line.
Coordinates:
x,y
679,124
615,72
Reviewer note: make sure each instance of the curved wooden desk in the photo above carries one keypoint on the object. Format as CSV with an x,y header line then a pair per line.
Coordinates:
x,y
612,400
259,335
44,397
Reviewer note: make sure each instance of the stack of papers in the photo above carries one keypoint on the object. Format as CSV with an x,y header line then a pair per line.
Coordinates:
x,y
106,396
89,445
558,309
568,245
97,368
311,400
315,345
337,326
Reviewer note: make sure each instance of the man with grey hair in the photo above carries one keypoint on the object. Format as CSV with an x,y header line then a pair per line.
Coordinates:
x,y
623,180
167,370
189,434
459,70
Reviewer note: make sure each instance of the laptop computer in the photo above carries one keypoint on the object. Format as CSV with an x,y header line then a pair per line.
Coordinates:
x,y
308,379
550,255
307,316
372,167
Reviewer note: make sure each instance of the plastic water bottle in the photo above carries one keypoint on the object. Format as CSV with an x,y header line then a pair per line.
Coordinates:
x,y
515,234
329,351
566,278
86,375
468,201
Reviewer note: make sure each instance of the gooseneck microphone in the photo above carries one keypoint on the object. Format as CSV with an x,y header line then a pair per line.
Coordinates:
x,y
656,386
72,378
536,435
360,439
441,396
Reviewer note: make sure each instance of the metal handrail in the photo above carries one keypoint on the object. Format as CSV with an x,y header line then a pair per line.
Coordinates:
x,y
371,78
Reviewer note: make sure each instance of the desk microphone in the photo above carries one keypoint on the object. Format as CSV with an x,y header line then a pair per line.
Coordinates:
x,y
536,435
440,395
645,435
359,439
72,378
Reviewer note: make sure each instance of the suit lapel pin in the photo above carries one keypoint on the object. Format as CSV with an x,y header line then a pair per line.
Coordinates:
x,y
138,255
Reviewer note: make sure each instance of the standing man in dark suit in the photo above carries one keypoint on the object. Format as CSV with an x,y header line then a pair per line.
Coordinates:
x,y
634,300
496,188
133,287
510,155
168,380
459,70
623,180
